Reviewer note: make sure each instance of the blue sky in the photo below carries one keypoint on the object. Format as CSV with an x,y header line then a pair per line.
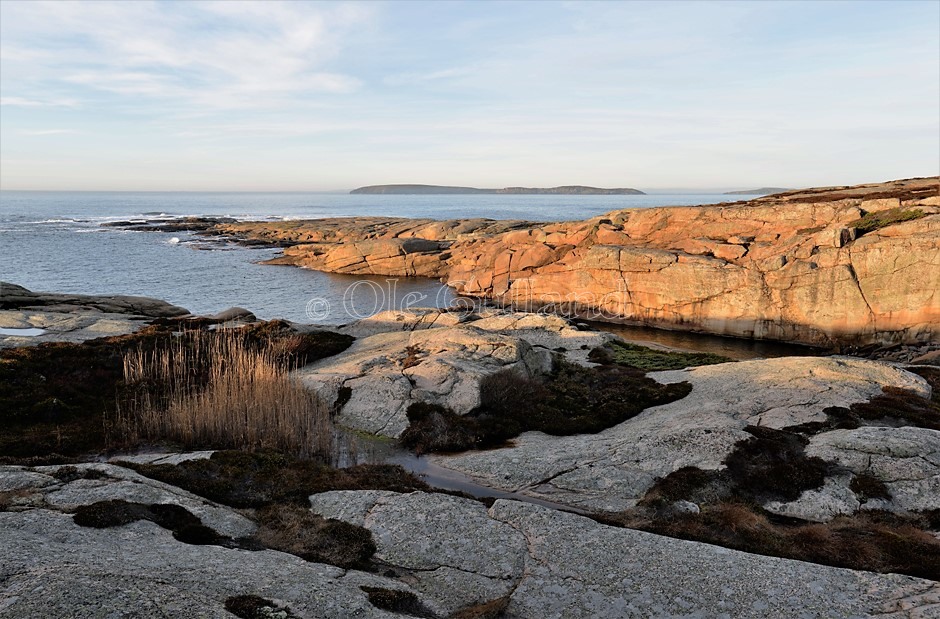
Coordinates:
x,y
323,96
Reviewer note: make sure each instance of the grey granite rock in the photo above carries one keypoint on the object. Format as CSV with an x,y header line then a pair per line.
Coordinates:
x,y
51,567
348,505
233,314
446,544
578,568
17,297
614,468
31,327
74,317
906,460
437,357
127,485
448,551
18,478
573,566
822,504
162,458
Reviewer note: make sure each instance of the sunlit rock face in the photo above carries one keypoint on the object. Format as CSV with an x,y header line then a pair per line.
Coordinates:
x,y
798,266
787,267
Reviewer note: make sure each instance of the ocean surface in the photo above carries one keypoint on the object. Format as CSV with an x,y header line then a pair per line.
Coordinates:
x,y
53,241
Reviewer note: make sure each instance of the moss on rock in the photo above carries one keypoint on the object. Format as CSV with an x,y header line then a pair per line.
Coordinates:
x,y
651,360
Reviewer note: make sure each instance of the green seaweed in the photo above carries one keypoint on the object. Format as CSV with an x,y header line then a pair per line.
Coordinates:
x,y
870,222
650,360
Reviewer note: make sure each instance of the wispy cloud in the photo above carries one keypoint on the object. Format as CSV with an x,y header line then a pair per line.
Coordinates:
x,y
219,54
40,132
25,102
402,79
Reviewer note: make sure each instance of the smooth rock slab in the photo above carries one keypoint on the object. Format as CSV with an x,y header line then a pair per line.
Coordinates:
x,y
71,327
163,458
447,544
51,567
127,485
906,459
558,565
16,478
575,567
835,498
613,469
578,568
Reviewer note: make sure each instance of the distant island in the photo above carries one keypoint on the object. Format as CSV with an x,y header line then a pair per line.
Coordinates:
x,y
756,192
567,190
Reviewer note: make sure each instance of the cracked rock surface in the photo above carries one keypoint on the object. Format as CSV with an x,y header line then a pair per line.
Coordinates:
x,y
449,552
438,357
446,543
906,460
104,482
51,567
613,469
565,565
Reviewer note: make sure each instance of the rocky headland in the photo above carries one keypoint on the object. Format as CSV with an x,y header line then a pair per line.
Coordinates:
x,y
29,318
762,191
841,266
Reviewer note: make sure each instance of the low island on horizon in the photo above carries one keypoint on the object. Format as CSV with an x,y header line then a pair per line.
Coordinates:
x,y
406,189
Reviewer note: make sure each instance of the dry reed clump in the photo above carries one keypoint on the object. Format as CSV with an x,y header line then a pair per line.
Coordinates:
x,y
217,389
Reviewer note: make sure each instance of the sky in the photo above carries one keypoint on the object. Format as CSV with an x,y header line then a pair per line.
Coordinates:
x,y
298,96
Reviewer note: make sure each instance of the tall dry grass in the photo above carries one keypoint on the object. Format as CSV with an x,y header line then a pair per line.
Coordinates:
x,y
215,389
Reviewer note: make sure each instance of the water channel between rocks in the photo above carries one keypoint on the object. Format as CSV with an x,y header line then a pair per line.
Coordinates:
x,y
352,447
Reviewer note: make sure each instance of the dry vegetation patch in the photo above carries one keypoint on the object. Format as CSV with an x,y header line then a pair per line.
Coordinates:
x,y
572,400
872,541
493,609
870,222
186,527
397,601
298,531
217,389
58,400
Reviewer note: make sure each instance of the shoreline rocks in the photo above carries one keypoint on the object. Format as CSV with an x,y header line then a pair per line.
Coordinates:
x,y
29,318
449,553
14,297
827,267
